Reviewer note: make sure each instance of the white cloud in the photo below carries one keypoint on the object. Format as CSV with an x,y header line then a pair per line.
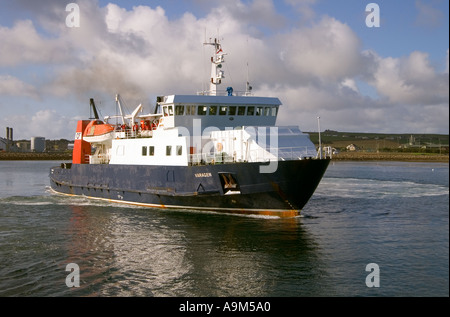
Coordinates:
x,y
304,7
314,69
22,44
329,50
257,13
43,123
12,86
411,80
350,84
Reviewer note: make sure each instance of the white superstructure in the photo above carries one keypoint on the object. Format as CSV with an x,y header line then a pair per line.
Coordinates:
x,y
211,127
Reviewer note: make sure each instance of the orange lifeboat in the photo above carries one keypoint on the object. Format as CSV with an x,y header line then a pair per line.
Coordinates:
x,y
98,131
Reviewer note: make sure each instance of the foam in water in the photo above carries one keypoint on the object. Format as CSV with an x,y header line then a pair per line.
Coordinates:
x,y
376,189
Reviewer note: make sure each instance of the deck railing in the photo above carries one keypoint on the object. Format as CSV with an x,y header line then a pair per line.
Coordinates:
x,y
296,153
259,155
99,159
224,93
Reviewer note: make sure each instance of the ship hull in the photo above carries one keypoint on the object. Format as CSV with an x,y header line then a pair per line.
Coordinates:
x,y
229,188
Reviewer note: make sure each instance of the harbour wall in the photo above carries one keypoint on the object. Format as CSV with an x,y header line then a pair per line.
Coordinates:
x,y
391,156
12,156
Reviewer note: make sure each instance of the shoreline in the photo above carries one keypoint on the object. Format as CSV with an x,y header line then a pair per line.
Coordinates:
x,y
391,156
343,156
10,156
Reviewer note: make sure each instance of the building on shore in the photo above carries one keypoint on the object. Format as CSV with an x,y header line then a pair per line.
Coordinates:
x,y
37,144
24,146
3,144
352,147
7,144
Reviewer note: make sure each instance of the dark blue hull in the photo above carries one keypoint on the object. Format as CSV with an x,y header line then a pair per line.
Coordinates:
x,y
231,188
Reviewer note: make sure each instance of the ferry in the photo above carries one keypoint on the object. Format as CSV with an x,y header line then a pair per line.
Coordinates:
x,y
215,150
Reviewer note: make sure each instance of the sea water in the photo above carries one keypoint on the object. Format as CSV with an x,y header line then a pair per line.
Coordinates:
x,y
370,229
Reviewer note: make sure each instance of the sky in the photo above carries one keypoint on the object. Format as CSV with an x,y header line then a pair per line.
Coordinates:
x,y
321,58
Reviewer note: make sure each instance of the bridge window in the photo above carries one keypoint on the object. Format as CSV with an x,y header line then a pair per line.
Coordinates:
x,y
241,111
202,110
212,110
250,111
179,110
223,111
267,111
259,111
274,111
190,110
232,111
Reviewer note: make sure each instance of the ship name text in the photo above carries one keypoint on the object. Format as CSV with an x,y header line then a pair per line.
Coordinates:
x,y
202,175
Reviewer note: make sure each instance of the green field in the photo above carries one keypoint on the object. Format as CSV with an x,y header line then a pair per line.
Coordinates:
x,y
372,142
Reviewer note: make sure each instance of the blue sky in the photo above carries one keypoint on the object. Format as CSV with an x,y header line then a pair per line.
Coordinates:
x,y
318,56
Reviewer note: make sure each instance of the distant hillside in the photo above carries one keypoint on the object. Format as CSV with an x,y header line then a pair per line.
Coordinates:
x,y
383,142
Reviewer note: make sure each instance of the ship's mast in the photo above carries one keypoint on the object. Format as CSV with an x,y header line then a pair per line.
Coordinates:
x,y
216,67
119,105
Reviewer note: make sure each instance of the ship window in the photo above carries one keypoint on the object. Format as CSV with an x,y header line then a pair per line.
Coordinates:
x,y
267,111
232,111
168,150
179,110
202,110
223,111
241,111
274,111
170,110
190,110
212,110
179,150
165,111
144,151
259,111
250,111
151,150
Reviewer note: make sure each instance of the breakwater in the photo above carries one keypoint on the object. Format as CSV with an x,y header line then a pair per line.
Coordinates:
x,y
390,156
12,156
